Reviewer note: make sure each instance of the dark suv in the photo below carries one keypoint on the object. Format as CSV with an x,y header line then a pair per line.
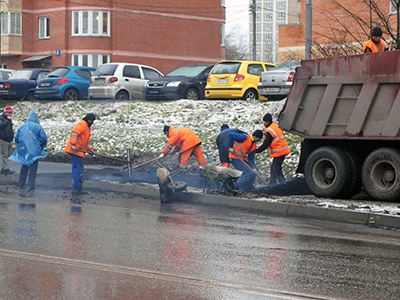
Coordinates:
x,y
186,82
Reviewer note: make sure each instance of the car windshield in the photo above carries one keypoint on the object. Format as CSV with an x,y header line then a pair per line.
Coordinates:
x,y
227,68
189,71
21,74
289,65
105,70
59,72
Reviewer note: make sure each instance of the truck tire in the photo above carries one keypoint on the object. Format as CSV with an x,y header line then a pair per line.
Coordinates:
x,y
355,183
381,174
327,172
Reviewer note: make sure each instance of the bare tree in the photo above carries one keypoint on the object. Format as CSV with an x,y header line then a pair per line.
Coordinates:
x,y
233,50
348,26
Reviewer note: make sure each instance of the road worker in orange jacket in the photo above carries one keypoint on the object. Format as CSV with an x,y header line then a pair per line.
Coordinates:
x,y
77,146
242,147
184,141
375,44
274,139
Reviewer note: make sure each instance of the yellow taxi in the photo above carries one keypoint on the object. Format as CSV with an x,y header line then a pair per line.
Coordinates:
x,y
236,79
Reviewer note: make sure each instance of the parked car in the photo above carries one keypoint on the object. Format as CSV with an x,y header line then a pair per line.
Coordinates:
x,y
235,79
22,83
187,82
121,81
5,74
276,84
67,83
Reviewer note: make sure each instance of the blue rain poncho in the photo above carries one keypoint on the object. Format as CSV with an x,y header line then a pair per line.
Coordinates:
x,y
30,140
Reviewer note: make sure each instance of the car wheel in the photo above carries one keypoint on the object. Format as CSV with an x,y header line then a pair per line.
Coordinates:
x,y
250,94
381,174
192,94
30,96
71,94
122,95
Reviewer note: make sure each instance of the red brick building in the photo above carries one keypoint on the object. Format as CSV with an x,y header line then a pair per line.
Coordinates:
x,y
331,26
164,34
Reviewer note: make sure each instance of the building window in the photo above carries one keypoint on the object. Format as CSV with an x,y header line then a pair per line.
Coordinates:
x,y
268,16
281,16
268,6
90,60
11,23
223,36
87,22
44,27
281,5
268,36
269,26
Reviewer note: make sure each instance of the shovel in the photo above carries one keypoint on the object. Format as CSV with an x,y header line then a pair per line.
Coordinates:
x,y
104,155
145,163
258,175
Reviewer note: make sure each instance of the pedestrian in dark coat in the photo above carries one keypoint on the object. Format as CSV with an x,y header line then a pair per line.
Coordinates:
x,y
6,138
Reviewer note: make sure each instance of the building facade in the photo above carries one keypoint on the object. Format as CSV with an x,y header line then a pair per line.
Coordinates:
x,y
270,16
338,27
164,34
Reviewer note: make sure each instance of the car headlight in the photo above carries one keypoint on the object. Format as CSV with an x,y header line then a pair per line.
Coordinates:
x,y
173,83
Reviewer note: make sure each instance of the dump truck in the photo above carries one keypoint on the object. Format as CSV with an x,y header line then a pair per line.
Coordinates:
x,y
347,109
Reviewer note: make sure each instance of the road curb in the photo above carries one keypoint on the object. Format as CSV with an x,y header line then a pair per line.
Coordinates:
x,y
269,207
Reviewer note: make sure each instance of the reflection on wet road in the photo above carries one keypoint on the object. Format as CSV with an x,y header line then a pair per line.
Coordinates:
x,y
52,250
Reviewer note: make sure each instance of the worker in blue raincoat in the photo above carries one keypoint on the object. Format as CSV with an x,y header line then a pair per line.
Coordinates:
x,y
30,140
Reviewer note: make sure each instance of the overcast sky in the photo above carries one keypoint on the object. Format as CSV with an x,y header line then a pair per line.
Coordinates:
x,y
237,12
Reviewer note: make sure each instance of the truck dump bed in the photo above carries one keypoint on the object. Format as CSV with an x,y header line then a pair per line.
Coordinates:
x,y
348,97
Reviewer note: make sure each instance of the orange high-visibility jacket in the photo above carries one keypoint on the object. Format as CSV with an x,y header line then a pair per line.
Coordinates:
x,y
374,48
182,139
279,145
79,137
242,150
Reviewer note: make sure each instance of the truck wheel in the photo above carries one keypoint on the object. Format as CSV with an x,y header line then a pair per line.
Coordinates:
x,y
354,184
251,94
381,174
327,172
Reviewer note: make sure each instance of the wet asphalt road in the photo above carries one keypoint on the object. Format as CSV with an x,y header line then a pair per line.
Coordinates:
x,y
139,249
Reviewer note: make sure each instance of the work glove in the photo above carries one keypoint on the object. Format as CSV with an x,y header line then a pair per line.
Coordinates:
x,y
231,150
161,155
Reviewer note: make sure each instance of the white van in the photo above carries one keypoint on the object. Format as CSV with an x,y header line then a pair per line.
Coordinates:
x,y
120,81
